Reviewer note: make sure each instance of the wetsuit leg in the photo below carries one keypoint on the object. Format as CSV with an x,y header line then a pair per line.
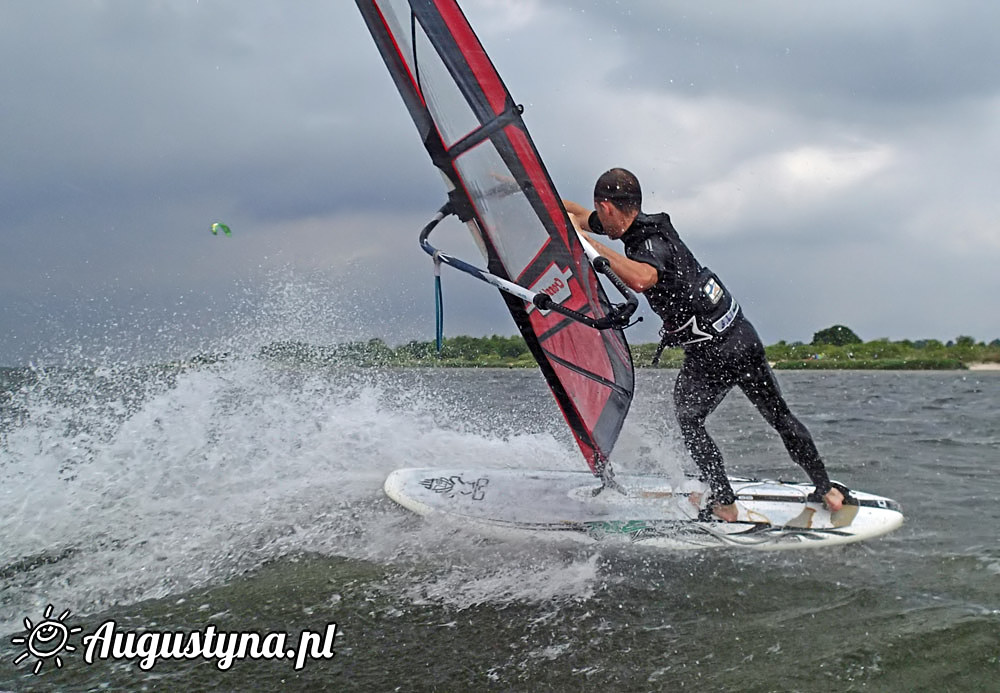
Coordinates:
x,y
761,387
697,392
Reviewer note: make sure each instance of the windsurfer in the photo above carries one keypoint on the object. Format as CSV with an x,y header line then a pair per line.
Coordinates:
x,y
721,347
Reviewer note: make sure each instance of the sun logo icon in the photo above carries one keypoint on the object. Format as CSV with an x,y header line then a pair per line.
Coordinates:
x,y
45,640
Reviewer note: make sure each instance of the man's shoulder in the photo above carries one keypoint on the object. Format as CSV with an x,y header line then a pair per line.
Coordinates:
x,y
648,224
650,227
660,218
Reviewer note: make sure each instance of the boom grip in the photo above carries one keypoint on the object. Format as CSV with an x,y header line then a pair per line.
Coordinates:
x,y
622,312
616,319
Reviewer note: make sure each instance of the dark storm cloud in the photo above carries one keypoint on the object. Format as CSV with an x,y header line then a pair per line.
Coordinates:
x,y
835,161
902,54
249,100
130,127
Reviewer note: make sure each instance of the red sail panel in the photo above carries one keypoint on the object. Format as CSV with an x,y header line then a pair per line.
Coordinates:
x,y
474,133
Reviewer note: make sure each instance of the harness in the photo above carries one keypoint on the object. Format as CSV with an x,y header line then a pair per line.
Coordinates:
x,y
694,332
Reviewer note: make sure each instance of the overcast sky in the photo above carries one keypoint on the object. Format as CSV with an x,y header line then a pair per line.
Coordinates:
x,y
834,162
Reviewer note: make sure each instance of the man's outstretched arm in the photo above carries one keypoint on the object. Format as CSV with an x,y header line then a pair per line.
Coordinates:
x,y
578,214
638,276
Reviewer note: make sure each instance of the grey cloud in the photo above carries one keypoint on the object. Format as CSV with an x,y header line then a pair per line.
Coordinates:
x,y
808,55
129,127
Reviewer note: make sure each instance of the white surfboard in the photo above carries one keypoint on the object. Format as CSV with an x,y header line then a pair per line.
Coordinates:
x,y
652,511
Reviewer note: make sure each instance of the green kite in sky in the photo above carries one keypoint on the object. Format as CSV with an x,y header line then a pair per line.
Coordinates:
x,y
216,227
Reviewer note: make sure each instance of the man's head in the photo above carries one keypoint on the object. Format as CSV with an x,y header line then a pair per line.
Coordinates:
x,y
617,199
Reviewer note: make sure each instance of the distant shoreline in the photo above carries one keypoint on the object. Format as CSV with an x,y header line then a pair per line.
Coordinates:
x,y
512,352
964,354
810,365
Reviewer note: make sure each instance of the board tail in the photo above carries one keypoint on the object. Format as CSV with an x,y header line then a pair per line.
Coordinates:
x,y
497,183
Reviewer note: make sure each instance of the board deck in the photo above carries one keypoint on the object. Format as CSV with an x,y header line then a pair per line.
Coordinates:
x,y
653,510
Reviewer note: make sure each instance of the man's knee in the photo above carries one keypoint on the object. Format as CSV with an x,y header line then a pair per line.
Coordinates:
x,y
791,428
690,420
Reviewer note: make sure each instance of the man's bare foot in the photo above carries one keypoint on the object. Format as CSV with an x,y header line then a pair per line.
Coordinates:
x,y
726,513
834,499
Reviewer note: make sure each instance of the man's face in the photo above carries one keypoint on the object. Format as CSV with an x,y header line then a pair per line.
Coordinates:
x,y
613,220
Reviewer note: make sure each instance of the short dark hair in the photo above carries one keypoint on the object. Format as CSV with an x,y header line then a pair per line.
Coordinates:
x,y
621,188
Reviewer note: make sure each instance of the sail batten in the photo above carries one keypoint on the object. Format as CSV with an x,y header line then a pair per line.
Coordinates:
x,y
473,131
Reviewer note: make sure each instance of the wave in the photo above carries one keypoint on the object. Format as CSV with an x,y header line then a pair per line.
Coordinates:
x,y
138,482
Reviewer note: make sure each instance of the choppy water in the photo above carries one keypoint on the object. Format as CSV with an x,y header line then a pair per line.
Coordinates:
x,y
247,494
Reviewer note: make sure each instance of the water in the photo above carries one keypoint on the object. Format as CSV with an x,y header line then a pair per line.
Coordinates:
x,y
246,494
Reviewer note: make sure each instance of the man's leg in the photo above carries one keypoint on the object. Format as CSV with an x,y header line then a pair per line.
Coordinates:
x,y
696,395
761,388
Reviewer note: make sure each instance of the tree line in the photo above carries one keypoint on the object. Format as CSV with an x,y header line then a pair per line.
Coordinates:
x,y
835,347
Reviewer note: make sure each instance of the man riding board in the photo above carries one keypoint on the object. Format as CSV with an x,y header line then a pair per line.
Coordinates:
x,y
721,347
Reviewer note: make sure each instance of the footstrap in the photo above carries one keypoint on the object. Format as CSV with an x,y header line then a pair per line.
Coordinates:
x,y
817,497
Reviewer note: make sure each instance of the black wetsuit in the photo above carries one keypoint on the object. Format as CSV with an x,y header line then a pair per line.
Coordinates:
x,y
721,350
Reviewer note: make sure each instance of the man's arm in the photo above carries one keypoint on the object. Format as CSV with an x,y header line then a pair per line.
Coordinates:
x,y
638,276
578,214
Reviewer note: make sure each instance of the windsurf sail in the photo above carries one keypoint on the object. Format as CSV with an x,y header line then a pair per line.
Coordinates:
x,y
474,133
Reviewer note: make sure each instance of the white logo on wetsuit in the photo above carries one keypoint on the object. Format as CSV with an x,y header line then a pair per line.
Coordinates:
x,y
697,334
713,290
